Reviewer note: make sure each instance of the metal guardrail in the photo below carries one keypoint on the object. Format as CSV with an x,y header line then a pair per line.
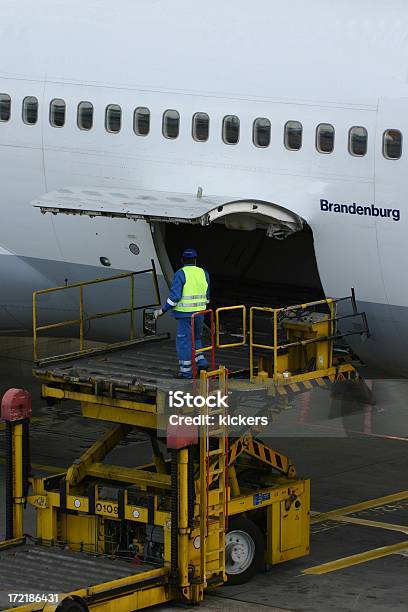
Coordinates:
x,y
203,349
229,309
332,319
278,314
83,318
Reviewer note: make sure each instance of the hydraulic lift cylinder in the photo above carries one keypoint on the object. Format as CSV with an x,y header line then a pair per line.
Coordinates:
x,y
18,492
183,517
9,482
16,410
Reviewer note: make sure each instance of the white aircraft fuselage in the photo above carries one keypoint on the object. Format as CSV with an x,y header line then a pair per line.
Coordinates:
x,y
312,63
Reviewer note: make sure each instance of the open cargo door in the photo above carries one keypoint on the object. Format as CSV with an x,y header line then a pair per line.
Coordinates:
x,y
170,207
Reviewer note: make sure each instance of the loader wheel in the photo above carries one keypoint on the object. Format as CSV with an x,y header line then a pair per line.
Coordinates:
x,y
244,550
72,605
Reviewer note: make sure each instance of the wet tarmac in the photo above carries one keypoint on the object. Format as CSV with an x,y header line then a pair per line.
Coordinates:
x,y
353,452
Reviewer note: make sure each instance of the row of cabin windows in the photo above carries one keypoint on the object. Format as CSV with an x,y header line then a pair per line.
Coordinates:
x,y
261,130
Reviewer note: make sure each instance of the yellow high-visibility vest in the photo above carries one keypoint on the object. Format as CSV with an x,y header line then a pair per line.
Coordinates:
x,y
194,296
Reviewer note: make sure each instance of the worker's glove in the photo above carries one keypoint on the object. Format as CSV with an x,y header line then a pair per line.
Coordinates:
x,y
157,313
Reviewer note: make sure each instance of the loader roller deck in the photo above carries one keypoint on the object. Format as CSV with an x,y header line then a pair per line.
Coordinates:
x,y
41,569
144,365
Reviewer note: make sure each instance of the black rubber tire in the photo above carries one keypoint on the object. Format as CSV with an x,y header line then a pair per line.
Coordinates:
x,y
258,563
72,605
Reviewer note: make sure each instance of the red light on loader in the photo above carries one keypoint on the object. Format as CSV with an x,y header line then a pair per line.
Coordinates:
x,y
16,405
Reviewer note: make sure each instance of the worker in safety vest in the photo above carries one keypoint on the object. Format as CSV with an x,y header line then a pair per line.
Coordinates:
x,y
189,293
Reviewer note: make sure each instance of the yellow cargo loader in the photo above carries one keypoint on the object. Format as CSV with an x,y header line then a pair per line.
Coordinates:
x,y
215,504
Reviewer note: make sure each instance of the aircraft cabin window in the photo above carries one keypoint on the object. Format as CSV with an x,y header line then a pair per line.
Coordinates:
x,y
293,135
392,144
261,132
85,115
358,138
57,113
141,121
325,138
171,124
5,107
201,127
230,129
30,110
113,118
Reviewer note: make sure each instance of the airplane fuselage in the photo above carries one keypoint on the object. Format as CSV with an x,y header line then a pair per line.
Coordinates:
x,y
353,203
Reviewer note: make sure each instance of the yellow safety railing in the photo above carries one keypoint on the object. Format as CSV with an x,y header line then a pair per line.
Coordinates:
x,y
276,315
229,309
83,318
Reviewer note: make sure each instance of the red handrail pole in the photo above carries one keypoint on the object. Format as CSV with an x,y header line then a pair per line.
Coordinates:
x,y
193,348
200,313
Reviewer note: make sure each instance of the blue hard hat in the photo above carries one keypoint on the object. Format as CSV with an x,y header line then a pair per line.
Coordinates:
x,y
190,254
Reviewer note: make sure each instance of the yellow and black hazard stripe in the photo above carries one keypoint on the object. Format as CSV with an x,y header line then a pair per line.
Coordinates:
x,y
255,448
235,449
301,386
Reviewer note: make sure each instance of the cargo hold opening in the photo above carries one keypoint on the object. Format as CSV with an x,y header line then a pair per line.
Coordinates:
x,y
246,267
257,252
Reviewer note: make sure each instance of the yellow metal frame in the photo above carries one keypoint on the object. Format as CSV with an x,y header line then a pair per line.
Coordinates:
x,y
69,512
128,593
275,347
217,326
83,318
213,506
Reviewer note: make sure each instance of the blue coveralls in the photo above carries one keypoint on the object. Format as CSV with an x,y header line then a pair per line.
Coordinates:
x,y
184,331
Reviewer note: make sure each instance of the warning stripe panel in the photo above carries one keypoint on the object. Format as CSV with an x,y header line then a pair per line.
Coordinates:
x,y
294,387
306,385
267,455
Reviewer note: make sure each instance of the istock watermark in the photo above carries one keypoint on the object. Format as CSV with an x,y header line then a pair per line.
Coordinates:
x,y
179,399
227,420
218,402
